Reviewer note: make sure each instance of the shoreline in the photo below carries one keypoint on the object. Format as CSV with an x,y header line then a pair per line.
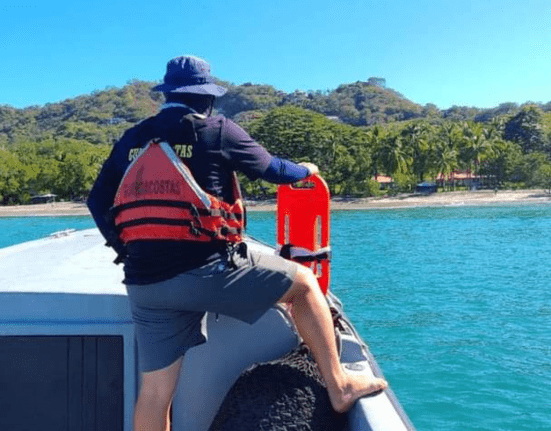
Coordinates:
x,y
443,199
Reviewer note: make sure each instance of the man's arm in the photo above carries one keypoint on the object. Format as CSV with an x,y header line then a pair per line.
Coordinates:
x,y
281,171
256,162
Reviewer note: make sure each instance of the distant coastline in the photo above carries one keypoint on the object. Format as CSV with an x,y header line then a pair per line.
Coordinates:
x,y
461,198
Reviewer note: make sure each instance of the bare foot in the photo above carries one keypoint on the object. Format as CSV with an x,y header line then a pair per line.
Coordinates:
x,y
357,386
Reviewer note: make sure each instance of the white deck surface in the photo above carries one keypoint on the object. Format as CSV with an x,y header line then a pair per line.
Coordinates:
x,y
76,262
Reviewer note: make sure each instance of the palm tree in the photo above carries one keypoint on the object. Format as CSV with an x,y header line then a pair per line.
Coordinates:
x,y
443,153
444,159
494,158
480,145
417,139
375,137
392,155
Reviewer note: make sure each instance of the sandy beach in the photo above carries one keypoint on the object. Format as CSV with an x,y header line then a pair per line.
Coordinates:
x,y
462,198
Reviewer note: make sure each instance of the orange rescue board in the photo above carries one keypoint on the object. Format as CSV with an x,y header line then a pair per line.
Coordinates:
x,y
303,220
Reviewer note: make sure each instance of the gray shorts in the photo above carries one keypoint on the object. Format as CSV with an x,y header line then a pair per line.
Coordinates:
x,y
168,315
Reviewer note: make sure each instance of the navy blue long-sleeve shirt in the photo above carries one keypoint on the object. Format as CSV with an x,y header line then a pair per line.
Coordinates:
x,y
221,147
281,171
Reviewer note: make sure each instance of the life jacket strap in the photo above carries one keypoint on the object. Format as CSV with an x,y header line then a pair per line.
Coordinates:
x,y
194,228
303,255
196,212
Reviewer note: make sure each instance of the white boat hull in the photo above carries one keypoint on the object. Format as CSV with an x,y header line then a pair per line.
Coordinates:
x,y
67,286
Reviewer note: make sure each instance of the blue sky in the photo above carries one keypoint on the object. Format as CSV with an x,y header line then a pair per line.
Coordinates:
x,y
447,52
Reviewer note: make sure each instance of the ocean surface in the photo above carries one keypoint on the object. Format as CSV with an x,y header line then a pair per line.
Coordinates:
x,y
454,302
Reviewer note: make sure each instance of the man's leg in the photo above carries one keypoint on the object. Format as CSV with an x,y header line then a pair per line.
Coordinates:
x,y
156,392
315,325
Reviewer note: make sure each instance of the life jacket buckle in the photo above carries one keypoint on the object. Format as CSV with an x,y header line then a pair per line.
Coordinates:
x,y
194,230
194,212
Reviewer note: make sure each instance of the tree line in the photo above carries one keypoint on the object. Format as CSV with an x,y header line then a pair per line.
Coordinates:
x,y
509,152
353,133
65,168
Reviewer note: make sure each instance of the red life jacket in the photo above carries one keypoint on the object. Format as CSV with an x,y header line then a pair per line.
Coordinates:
x,y
158,198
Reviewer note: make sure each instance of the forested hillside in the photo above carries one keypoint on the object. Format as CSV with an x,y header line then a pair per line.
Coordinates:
x,y
353,132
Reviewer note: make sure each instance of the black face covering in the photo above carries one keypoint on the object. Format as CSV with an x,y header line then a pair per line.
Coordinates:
x,y
199,103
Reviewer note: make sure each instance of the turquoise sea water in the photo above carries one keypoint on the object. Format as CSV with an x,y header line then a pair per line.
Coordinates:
x,y
454,302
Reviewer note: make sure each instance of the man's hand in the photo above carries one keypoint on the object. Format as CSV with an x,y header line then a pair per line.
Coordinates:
x,y
312,169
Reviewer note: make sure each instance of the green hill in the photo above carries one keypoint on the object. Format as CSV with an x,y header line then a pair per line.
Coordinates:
x,y
359,104
101,117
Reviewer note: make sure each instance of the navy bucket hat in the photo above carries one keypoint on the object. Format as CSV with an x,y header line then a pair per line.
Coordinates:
x,y
189,74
